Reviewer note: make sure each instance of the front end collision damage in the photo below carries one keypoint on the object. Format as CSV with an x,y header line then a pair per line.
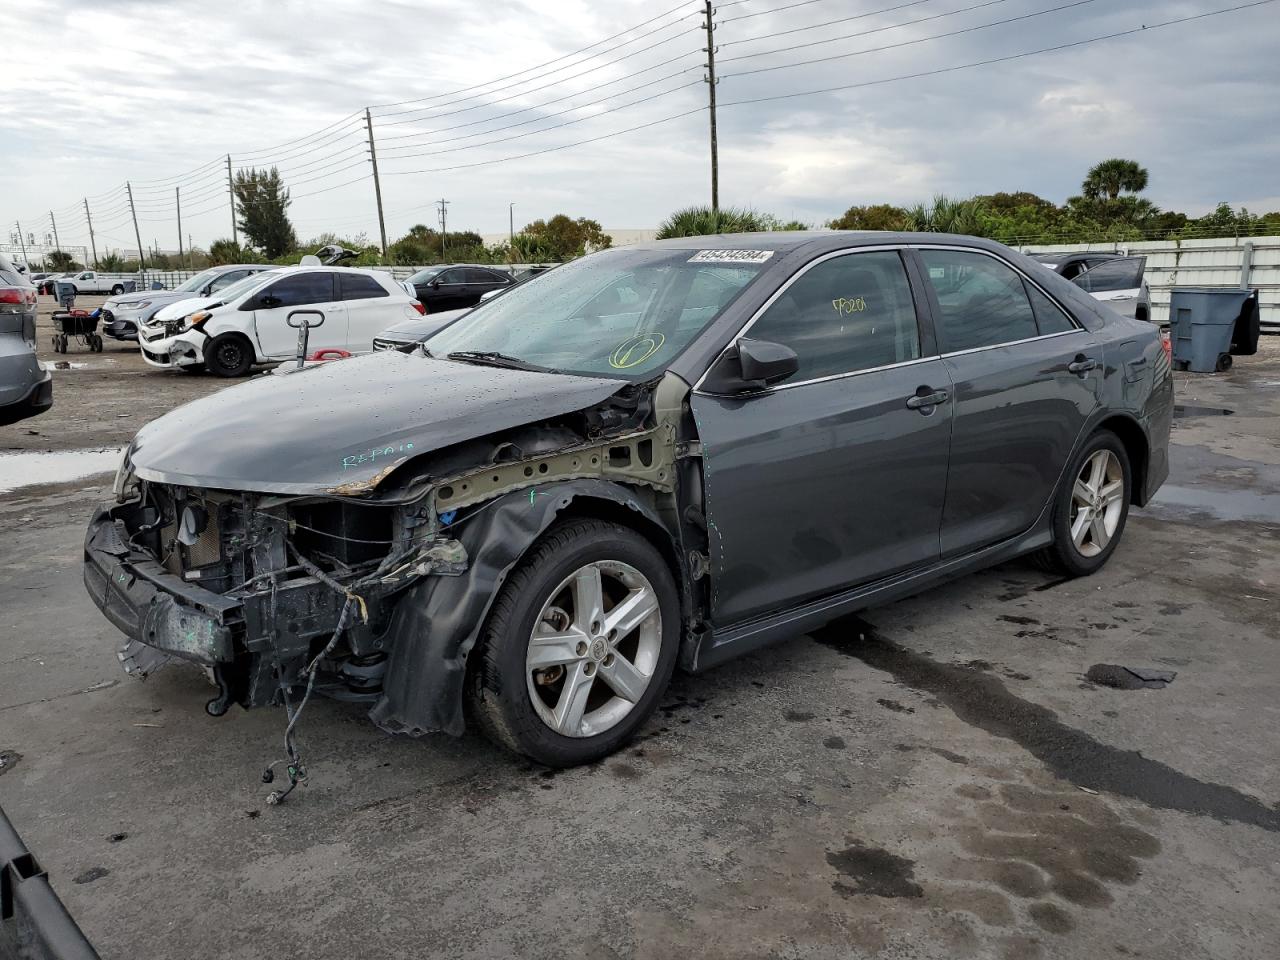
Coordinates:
x,y
377,589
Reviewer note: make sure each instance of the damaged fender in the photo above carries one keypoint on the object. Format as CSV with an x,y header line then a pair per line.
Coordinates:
x,y
436,624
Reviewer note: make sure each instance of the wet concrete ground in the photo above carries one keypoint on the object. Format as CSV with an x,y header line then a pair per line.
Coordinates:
x,y
932,779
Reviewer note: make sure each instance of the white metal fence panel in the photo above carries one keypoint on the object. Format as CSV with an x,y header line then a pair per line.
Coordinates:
x,y
1252,262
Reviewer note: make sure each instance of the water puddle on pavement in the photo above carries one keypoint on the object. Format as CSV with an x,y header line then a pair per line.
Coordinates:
x,y
1182,410
1218,503
29,468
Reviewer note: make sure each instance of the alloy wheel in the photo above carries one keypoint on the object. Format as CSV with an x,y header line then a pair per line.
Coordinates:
x,y
1097,503
594,648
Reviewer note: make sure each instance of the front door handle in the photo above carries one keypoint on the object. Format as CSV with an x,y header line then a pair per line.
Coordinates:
x,y
922,399
1082,364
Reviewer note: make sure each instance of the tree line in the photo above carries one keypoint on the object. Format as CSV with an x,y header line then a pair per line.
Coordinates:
x,y
1108,209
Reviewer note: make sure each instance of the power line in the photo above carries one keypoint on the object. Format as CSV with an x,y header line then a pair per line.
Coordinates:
x,y
866,83
893,46
566,56
748,16
547,103
1004,59
527,91
863,33
531,133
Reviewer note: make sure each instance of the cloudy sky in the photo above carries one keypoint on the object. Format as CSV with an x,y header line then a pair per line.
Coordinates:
x,y
471,101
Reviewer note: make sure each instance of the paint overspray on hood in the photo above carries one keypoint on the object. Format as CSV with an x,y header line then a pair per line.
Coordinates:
x,y
340,427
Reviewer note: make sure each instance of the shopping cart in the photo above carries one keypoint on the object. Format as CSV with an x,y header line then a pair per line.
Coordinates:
x,y
69,323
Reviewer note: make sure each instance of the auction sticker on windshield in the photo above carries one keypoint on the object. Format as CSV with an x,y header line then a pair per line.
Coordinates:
x,y
731,256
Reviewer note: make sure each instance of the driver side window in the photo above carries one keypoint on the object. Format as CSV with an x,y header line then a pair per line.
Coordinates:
x,y
227,279
850,313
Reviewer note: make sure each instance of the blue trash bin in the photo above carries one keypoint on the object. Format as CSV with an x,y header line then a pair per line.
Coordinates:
x,y
1203,323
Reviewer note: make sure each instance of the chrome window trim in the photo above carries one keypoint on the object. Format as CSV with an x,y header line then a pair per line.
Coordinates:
x,y
1011,343
1029,279
764,307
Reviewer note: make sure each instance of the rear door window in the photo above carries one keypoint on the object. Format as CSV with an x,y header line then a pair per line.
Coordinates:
x,y
360,286
852,312
298,289
982,301
1112,275
475,275
1049,316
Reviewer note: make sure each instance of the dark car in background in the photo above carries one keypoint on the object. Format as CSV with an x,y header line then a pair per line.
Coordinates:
x,y
1113,278
670,453
458,285
406,336
122,314
26,388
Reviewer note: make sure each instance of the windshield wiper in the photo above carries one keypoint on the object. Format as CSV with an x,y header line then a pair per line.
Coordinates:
x,y
496,360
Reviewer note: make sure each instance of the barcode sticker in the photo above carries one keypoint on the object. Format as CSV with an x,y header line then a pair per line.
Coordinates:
x,y
731,256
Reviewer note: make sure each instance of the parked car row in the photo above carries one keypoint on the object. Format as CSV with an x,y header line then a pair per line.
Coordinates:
x,y
1113,278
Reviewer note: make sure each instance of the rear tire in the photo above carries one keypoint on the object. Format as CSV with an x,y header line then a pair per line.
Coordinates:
x,y
1090,508
564,679
117,290
228,355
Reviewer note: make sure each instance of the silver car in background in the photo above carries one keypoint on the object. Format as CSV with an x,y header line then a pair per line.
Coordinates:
x,y
26,388
1112,278
122,314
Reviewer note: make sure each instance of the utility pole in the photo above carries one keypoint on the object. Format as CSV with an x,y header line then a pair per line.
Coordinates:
x,y
231,191
177,195
142,263
57,244
511,222
377,184
710,79
444,219
22,243
92,242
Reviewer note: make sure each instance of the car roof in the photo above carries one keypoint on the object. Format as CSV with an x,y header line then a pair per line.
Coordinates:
x,y
787,241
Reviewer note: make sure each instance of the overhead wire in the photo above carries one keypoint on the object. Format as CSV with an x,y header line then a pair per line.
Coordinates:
x,y
893,46
572,53
829,23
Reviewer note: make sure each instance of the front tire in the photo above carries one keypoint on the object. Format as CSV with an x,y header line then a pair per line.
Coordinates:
x,y
228,355
1091,509
579,646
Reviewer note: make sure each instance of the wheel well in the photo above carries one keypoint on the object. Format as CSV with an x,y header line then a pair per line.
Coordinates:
x,y
581,508
1135,445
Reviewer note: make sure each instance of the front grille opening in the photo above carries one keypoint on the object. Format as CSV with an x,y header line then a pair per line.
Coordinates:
x,y
347,533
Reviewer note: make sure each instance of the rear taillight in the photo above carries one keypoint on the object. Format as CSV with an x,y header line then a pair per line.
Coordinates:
x,y
19,297
417,305
1167,343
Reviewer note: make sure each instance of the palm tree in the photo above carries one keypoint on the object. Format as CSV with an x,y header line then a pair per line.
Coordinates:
x,y
946,215
1110,177
702,221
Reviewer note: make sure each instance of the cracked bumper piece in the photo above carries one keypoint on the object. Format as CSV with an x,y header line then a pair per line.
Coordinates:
x,y
153,607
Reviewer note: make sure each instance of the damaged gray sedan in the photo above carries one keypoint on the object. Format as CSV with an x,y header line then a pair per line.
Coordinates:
x,y
662,455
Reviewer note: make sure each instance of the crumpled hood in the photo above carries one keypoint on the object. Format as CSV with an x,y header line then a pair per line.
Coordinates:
x,y
338,427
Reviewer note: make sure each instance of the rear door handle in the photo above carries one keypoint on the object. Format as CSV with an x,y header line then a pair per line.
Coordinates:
x,y
920,400
1082,365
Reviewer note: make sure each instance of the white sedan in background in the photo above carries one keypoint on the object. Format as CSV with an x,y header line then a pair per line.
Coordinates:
x,y
247,322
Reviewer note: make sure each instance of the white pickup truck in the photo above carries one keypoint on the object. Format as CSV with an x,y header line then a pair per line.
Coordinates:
x,y
91,281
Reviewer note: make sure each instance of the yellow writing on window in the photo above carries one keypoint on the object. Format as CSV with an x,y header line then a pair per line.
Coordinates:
x,y
844,305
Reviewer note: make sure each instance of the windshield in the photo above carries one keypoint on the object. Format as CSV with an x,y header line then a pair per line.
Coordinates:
x,y
241,287
196,283
422,276
618,313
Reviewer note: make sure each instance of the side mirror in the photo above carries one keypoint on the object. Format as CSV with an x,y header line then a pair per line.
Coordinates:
x,y
434,283
751,365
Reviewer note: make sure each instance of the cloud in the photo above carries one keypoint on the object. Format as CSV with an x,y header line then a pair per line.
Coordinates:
x,y
158,93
